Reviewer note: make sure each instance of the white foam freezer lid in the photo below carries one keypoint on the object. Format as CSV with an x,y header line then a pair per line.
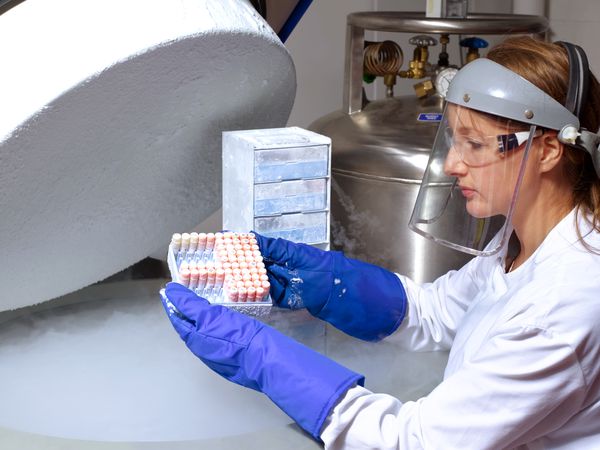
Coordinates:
x,y
110,129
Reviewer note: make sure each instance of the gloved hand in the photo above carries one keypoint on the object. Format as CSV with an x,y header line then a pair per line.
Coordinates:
x,y
303,383
362,300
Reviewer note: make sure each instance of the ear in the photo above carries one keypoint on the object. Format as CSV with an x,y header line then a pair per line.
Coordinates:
x,y
550,152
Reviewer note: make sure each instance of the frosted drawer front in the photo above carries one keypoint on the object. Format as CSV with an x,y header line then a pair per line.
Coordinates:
x,y
303,227
290,196
290,163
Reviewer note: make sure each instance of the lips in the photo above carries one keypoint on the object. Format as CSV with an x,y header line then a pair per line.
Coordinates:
x,y
467,192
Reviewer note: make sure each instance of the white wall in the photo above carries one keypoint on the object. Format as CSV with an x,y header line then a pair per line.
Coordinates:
x,y
317,45
577,21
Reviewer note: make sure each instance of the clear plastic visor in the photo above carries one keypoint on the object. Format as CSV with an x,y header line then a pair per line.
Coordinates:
x,y
469,190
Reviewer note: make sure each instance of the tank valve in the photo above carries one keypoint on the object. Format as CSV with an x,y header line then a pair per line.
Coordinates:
x,y
473,44
419,66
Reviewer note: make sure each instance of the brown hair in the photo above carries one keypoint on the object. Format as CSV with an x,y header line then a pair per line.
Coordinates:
x,y
546,65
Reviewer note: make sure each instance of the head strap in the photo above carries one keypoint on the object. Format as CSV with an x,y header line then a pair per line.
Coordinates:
x,y
578,77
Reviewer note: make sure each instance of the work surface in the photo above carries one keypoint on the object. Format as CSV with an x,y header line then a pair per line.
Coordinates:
x,y
103,369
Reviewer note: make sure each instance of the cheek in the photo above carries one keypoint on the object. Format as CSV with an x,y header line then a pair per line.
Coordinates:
x,y
495,187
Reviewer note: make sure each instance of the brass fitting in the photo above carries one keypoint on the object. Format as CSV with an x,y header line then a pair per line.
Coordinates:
x,y
416,67
424,88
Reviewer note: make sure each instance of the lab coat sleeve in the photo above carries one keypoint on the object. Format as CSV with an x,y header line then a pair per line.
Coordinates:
x,y
435,310
519,386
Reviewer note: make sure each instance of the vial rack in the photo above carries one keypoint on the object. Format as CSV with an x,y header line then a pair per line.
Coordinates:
x,y
224,268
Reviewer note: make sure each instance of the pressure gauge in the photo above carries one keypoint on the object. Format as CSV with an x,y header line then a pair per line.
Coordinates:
x,y
443,79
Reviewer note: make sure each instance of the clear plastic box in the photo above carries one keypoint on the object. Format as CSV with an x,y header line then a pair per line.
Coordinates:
x,y
310,228
290,163
290,196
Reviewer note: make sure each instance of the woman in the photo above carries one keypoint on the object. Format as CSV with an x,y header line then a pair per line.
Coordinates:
x,y
520,319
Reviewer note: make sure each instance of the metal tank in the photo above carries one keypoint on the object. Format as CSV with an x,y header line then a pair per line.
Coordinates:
x,y
380,148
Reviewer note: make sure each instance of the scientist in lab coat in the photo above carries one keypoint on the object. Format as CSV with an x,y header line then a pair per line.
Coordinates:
x,y
514,178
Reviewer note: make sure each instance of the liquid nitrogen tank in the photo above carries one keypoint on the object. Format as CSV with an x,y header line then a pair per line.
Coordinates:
x,y
380,148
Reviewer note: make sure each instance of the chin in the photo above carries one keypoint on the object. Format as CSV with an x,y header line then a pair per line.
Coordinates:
x,y
479,209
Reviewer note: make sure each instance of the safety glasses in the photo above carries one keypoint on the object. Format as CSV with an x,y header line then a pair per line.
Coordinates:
x,y
482,150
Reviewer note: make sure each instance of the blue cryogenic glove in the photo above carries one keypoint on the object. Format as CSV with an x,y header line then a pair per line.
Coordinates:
x,y
303,383
362,300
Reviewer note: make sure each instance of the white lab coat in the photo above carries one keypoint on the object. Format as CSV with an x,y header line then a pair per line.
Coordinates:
x,y
524,364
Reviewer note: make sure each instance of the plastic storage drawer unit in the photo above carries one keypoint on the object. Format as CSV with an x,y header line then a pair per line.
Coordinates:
x,y
277,182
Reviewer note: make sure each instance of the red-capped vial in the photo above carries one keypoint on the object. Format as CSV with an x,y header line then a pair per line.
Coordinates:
x,y
194,276
232,294
210,281
242,294
193,241
202,278
260,294
251,294
185,241
219,277
210,241
184,277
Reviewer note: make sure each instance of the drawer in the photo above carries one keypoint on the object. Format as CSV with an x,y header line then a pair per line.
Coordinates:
x,y
303,227
290,196
291,163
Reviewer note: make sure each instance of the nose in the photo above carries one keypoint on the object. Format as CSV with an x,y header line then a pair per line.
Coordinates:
x,y
453,164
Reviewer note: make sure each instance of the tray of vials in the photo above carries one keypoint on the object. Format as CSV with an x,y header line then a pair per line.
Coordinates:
x,y
225,268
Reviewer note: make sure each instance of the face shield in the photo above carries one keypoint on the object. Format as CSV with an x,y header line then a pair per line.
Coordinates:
x,y
470,189
471,183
